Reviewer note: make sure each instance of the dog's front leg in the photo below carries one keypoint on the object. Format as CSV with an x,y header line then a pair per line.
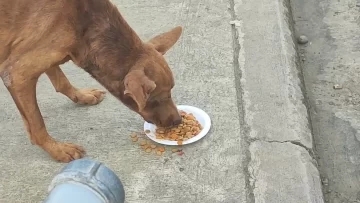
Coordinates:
x,y
80,96
22,87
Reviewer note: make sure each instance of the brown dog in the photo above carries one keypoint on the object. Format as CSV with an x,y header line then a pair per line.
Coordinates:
x,y
37,36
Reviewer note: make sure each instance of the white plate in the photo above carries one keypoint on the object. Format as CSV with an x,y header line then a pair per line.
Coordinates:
x,y
199,114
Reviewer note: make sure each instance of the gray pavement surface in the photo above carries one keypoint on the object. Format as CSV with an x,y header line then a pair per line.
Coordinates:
x,y
274,113
237,61
332,58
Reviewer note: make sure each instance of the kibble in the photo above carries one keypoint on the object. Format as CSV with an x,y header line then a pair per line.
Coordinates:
x,y
133,135
135,139
148,146
161,149
188,129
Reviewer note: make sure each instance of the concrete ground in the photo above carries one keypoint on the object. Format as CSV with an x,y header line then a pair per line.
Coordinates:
x,y
237,61
332,58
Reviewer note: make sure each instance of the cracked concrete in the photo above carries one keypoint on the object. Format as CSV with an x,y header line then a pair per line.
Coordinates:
x,y
297,143
283,172
240,104
310,151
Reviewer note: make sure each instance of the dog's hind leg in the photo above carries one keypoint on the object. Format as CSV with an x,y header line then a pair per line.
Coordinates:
x,y
81,96
20,78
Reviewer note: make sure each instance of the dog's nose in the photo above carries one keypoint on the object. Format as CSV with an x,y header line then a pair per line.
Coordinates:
x,y
177,121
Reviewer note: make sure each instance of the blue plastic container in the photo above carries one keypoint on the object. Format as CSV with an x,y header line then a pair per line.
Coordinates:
x,y
86,181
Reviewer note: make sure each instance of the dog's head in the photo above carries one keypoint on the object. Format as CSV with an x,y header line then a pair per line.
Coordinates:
x,y
148,84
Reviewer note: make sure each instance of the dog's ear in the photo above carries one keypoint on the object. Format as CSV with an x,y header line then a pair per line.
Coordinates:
x,y
163,42
138,86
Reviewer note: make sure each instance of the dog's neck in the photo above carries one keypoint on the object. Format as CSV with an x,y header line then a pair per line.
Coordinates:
x,y
110,47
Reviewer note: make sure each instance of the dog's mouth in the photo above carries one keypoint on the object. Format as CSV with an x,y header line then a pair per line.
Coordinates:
x,y
158,123
149,121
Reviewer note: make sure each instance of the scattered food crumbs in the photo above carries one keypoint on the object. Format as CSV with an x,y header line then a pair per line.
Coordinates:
x,y
135,139
141,133
149,146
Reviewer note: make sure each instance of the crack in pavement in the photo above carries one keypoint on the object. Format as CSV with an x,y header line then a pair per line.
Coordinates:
x,y
294,142
244,128
297,143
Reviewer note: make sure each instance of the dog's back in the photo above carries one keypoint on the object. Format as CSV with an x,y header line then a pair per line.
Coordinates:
x,y
23,24
26,24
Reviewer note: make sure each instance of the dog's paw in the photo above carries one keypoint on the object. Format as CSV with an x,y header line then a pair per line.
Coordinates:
x,y
64,152
89,96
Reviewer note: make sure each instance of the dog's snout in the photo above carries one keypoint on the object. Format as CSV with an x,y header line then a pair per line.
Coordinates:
x,y
177,121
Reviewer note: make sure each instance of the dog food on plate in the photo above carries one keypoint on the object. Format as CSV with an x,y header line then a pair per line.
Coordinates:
x,y
188,128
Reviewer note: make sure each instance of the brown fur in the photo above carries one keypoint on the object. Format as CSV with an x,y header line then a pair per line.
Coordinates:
x,y
38,36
